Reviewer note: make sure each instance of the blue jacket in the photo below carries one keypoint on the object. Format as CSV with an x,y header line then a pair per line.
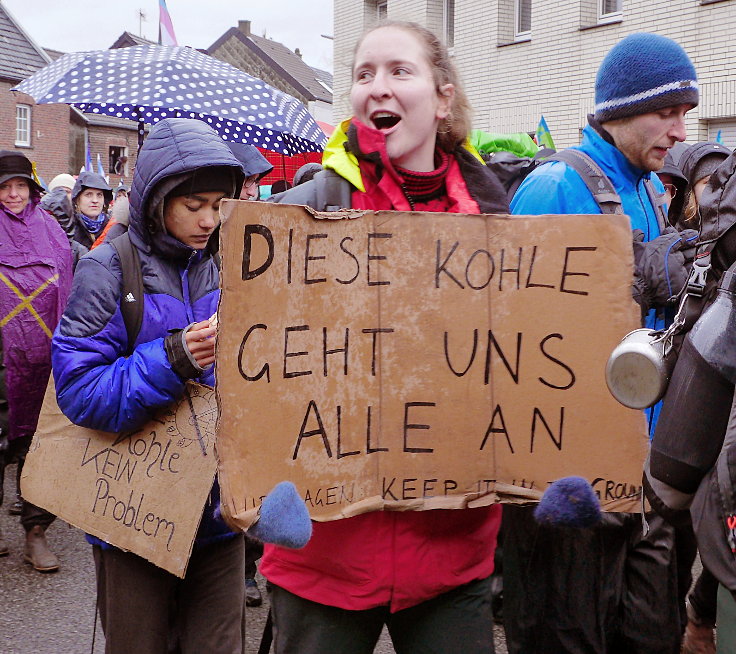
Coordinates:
x,y
555,188
97,385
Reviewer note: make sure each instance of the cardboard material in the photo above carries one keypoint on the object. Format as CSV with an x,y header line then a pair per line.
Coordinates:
x,y
142,491
411,361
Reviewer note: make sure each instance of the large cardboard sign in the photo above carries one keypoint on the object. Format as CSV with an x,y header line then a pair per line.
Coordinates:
x,y
142,491
415,361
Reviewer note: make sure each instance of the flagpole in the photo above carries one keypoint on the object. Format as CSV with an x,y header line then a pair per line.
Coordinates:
x,y
166,35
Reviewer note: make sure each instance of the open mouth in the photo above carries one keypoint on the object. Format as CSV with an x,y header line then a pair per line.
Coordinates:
x,y
385,120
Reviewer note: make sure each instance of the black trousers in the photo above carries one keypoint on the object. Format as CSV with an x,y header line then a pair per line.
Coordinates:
x,y
31,515
457,622
146,610
605,590
253,552
704,596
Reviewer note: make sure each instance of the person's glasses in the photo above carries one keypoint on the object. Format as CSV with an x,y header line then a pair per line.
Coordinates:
x,y
671,189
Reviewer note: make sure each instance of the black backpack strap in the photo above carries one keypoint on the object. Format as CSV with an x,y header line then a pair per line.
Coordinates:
x,y
267,637
598,183
334,192
656,200
131,300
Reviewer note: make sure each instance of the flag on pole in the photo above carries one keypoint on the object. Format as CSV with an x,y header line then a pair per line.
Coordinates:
x,y
36,177
166,34
100,170
544,136
719,137
88,161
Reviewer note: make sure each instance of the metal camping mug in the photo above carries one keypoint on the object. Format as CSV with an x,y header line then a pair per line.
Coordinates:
x,y
638,370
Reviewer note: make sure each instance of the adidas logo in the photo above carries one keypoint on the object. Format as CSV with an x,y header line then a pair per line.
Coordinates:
x,y
130,297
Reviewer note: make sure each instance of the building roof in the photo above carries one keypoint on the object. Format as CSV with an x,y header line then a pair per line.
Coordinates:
x,y
100,120
20,57
128,39
287,64
294,66
323,77
53,54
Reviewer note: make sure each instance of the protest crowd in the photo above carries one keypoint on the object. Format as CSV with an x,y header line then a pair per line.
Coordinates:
x,y
561,576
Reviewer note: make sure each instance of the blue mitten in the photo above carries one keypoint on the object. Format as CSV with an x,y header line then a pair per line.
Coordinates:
x,y
569,502
284,519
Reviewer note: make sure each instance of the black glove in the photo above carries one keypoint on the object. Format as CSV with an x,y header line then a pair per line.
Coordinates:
x,y
662,266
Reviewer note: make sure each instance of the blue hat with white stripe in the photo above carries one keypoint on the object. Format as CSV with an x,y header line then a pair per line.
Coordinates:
x,y
642,73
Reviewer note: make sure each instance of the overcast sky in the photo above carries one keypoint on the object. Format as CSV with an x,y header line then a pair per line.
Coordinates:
x,y
74,25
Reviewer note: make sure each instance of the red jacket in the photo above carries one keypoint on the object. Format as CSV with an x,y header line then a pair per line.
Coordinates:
x,y
398,559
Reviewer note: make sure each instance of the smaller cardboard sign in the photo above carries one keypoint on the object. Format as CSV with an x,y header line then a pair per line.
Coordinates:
x,y
143,490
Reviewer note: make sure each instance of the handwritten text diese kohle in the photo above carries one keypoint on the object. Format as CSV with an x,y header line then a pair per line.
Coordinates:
x,y
309,256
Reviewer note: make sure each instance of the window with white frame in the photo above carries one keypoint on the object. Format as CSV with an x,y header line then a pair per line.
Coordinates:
x,y
118,160
22,124
448,22
608,8
382,10
522,18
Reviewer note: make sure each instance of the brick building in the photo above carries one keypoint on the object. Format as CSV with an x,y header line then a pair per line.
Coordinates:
x,y
521,59
55,136
45,134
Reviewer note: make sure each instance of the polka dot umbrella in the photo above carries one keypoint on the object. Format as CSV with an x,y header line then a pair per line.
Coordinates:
x,y
148,83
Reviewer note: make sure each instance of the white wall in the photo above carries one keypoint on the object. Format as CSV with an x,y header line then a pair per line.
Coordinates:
x,y
321,111
511,84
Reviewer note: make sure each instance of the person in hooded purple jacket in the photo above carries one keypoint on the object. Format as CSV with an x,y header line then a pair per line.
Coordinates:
x,y
35,280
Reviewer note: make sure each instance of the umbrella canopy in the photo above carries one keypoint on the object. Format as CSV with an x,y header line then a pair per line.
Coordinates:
x,y
151,82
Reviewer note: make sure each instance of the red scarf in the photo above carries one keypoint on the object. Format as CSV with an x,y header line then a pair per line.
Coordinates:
x,y
387,187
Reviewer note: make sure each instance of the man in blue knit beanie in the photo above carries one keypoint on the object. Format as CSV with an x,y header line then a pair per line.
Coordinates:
x,y
643,73
610,589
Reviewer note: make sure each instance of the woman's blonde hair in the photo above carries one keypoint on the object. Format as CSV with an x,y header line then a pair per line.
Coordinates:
x,y
453,130
690,214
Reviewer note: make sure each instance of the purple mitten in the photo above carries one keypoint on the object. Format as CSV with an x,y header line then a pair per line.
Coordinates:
x,y
569,502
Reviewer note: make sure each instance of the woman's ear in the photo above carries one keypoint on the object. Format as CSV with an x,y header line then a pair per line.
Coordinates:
x,y
446,94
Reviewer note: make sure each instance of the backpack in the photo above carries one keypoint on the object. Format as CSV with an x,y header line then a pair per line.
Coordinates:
x,y
326,191
713,508
512,169
132,298
708,489
713,514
